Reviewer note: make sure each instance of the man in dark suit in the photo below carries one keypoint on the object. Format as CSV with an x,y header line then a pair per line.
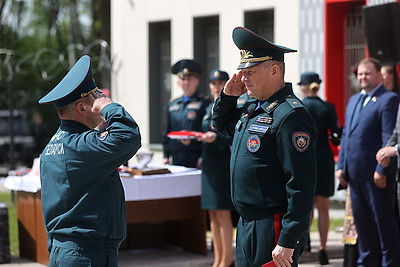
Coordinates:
x,y
370,119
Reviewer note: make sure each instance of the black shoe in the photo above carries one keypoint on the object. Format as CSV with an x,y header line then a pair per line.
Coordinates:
x,y
323,257
307,247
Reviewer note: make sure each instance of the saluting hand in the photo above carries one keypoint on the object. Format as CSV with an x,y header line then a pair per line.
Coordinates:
x,y
100,101
234,86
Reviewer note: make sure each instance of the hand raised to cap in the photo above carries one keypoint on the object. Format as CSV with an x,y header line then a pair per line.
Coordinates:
x,y
234,86
100,101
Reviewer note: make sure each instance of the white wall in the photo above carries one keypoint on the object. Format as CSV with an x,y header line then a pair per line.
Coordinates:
x,y
129,42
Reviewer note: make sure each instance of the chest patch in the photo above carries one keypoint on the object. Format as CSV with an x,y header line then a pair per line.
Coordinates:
x,y
103,136
174,107
253,143
267,120
191,115
238,125
194,105
258,129
301,141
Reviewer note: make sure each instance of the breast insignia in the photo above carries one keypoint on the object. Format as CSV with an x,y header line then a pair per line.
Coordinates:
x,y
103,136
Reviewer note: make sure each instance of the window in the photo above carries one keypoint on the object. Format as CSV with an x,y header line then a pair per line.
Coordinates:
x,y
261,22
206,47
159,77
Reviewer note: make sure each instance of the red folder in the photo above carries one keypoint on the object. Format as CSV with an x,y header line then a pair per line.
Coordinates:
x,y
269,264
184,134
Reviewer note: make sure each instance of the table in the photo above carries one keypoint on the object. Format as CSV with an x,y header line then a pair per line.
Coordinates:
x,y
166,210
32,233
161,210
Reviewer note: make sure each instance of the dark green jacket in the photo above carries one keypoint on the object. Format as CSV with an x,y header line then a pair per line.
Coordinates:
x,y
185,115
273,162
82,194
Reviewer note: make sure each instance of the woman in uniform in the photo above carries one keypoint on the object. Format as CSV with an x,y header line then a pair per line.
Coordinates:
x,y
216,197
325,117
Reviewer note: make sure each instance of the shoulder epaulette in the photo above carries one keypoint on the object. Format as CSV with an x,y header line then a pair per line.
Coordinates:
x,y
294,102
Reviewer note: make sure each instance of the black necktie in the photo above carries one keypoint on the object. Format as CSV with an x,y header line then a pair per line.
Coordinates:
x,y
358,109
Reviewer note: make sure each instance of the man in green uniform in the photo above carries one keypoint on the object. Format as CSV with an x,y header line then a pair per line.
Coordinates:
x,y
83,199
273,162
185,113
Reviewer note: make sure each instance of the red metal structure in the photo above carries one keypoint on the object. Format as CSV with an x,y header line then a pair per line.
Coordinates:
x,y
344,47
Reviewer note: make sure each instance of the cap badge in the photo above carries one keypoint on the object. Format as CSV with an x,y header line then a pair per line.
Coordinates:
x,y
247,56
88,93
216,74
185,70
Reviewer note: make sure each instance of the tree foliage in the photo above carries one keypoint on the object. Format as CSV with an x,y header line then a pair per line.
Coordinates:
x,y
40,41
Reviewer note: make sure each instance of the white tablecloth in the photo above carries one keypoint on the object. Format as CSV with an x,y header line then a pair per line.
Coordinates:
x,y
181,182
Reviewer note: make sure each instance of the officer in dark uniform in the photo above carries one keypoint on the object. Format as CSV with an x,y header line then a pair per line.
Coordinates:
x,y
83,199
324,115
215,178
273,162
185,113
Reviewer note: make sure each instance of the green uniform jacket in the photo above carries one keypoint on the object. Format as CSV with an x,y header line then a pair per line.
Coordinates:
x,y
185,115
273,162
82,194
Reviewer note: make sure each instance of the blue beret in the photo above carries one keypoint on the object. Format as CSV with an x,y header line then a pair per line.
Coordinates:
x,y
186,67
308,78
77,83
218,75
254,49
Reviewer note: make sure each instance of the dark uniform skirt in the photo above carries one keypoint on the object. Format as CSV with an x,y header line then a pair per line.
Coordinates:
x,y
215,178
325,173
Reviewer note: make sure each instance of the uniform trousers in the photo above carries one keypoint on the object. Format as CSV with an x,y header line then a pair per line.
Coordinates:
x,y
376,223
255,241
71,252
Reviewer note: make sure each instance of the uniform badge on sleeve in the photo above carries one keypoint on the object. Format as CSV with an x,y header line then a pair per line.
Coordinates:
x,y
253,143
103,136
301,141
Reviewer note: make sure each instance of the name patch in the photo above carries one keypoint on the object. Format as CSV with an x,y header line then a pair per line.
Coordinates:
x,y
54,149
258,129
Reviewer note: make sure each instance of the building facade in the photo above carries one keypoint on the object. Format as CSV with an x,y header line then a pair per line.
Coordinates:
x,y
149,36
